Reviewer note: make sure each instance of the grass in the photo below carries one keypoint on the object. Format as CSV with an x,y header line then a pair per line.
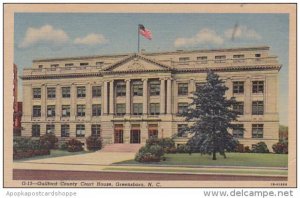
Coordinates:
x,y
53,153
233,159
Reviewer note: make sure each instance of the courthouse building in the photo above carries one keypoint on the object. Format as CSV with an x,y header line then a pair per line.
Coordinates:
x,y
127,98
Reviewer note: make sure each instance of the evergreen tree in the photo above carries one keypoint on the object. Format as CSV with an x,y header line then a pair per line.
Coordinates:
x,y
212,114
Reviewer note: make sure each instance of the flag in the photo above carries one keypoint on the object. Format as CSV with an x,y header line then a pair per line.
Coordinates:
x,y
145,32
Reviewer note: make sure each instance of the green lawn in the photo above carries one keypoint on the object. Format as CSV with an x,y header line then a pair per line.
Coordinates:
x,y
54,153
233,159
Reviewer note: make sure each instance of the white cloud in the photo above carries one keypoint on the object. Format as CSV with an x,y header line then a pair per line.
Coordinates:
x,y
204,36
45,34
91,39
242,32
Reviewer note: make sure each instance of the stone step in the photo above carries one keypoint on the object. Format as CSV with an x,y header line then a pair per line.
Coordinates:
x,y
121,148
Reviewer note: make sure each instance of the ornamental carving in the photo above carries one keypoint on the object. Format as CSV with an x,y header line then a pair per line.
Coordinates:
x,y
136,65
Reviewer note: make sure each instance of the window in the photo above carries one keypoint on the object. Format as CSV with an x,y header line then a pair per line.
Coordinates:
x,y
183,59
199,85
80,110
257,130
51,92
239,107
80,92
258,87
154,88
65,110
181,130
257,108
152,131
65,92
69,65
238,87
120,89
238,58
36,111
80,130
238,131
96,91
54,66
40,66
183,89
220,59
50,128
96,109
99,63
96,130
202,59
50,110
120,109
36,130
137,109
84,64
65,130
257,55
182,107
36,93
137,88
154,108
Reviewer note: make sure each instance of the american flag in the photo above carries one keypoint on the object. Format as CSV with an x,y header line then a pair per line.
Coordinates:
x,y
145,32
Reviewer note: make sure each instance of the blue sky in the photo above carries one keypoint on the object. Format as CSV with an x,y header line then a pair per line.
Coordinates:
x,y
46,35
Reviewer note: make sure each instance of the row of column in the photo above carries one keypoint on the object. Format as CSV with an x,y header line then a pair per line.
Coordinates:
x,y
165,99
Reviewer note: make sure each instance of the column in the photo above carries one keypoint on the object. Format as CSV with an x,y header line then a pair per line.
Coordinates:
x,y
175,106
73,109
162,96
104,98
111,98
58,103
145,96
88,104
127,96
43,102
169,96
248,91
229,84
27,102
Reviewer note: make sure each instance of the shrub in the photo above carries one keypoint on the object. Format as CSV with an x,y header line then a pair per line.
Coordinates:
x,y
94,143
280,147
247,149
63,146
49,140
150,153
74,145
183,148
260,147
170,150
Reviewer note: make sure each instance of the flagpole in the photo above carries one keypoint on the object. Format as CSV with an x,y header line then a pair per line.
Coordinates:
x,y
138,32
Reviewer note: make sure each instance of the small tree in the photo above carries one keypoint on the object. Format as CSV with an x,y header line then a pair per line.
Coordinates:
x,y
94,143
212,115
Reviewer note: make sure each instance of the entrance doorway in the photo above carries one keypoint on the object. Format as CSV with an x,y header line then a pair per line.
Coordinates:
x,y
118,134
152,131
135,134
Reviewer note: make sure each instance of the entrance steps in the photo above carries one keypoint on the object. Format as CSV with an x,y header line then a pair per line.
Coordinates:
x,y
131,148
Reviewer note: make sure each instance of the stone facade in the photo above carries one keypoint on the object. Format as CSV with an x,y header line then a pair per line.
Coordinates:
x,y
129,97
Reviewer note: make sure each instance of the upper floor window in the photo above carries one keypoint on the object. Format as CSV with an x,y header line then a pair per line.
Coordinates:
x,y
65,130
84,64
238,131
238,58
80,130
154,108
202,59
80,110
40,66
99,63
154,88
220,59
35,130
238,87
257,108
54,66
258,87
183,89
81,92
257,57
184,59
50,110
137,108
51,92
36,111
137,88
257,130
36,93
181,130
199,85
96,129
239,107
182,107
69,64
120,109
50,128
65,110
65,92
96,91
96,109
121,89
